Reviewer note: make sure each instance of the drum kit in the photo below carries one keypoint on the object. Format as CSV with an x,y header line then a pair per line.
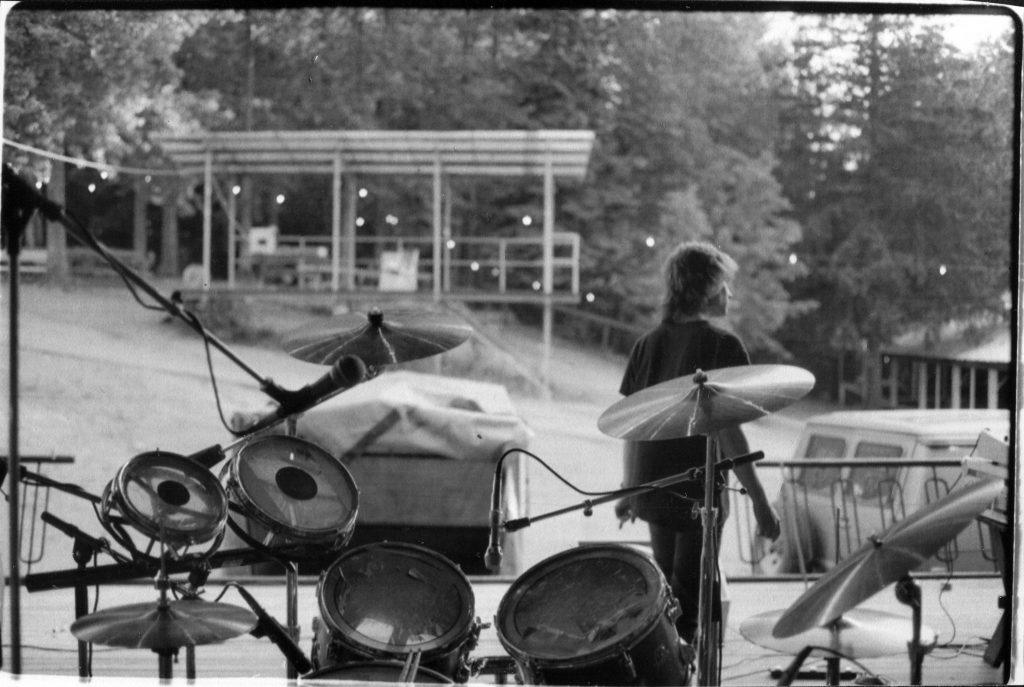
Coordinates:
x,y
398,612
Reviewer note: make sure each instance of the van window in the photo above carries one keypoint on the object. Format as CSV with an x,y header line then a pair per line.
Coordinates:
x,y
876,482
820,446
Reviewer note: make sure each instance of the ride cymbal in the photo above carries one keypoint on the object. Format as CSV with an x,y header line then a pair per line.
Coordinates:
x,y
705,402
378,338
185,622
860,633
887,557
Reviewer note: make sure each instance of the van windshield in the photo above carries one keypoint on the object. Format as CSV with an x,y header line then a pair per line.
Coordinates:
x,y
876,482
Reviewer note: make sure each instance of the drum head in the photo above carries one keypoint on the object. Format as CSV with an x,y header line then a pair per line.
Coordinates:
x,y
171,498
579,603
374,671
396,598
296,487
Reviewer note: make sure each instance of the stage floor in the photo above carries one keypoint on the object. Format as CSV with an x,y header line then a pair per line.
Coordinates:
x,y
964,616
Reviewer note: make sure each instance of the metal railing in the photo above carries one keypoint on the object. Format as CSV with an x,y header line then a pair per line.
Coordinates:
x,y
491,263
829,508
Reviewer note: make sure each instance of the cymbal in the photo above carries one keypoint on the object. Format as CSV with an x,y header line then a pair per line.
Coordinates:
x,y
183,622
692,405
887,557
859,633
378,338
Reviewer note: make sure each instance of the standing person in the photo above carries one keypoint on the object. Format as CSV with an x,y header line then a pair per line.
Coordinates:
x,y
697,278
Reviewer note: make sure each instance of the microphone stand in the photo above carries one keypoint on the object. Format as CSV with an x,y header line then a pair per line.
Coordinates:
x,y
19,203
587,506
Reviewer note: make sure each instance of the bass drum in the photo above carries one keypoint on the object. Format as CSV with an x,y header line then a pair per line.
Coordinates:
x,y
390,600
372,671
599,615
296,498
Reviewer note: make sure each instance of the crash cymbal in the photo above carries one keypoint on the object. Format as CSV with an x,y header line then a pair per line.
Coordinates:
x,y
887,557
706,402
859,633
378,338
159,627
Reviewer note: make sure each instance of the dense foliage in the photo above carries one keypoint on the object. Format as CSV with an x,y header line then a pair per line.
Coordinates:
x,y
860,174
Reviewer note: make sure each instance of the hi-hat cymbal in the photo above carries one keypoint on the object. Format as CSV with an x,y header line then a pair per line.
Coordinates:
x,y
705,402
378,338
184,622
859,633
887,557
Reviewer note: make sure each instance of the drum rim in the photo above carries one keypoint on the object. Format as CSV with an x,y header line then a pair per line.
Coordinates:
x,y
447,642
236,489
318,673
515,592
151,529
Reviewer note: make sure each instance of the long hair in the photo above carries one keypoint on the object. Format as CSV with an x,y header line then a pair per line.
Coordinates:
x,y
694,272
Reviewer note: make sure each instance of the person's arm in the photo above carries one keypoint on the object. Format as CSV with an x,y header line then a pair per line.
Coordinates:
x,y
625,507
733,442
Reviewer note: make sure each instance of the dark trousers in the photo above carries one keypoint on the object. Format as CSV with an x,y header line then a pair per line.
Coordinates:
x,y
677,553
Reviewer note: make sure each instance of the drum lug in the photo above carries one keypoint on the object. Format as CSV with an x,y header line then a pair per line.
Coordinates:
x,y
627,662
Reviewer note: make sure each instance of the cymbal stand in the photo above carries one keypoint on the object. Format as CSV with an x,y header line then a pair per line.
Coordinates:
x,y
291,582
164,655
908,592
707,648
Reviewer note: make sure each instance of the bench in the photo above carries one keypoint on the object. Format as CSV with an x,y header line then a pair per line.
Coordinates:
x,y
30,261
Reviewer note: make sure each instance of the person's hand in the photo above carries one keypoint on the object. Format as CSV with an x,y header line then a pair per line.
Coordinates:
x,y
768,524
624,511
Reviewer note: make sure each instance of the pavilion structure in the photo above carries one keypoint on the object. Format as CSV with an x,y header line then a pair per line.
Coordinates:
x,y
549,155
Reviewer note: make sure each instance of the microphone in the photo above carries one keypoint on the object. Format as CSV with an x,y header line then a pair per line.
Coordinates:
x,y
209,456
19,196
492,557
348,371
267,626
739,460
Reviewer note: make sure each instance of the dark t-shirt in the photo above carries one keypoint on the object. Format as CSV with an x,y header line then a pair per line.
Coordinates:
x,y
668,351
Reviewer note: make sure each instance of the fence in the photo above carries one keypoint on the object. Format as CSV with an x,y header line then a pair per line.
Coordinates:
x,y
830,508
499,264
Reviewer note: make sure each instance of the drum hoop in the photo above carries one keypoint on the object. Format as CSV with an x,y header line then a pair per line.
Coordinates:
x,y
453,638
320,672
662,606
251,509
118,489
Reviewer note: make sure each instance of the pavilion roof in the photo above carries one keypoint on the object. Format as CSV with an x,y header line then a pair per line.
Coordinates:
x,y
495,153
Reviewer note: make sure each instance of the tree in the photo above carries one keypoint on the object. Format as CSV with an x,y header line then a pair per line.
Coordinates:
x,y
896,158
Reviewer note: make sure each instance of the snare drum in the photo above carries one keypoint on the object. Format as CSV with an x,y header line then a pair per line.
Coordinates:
x,y
167,497
598,615
294,495
389,600
372,671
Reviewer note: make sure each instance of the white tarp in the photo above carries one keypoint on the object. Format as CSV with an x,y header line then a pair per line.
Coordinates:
x,y
418,414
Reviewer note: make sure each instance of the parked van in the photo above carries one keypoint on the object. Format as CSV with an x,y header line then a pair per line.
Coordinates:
x,y
828,512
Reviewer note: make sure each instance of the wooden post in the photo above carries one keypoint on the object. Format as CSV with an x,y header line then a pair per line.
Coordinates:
x,y
232,235
141,196
351,195
437,227
548,268
993,388
922,383
446,224
336,223
169,230
56,238
207,217
954,386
